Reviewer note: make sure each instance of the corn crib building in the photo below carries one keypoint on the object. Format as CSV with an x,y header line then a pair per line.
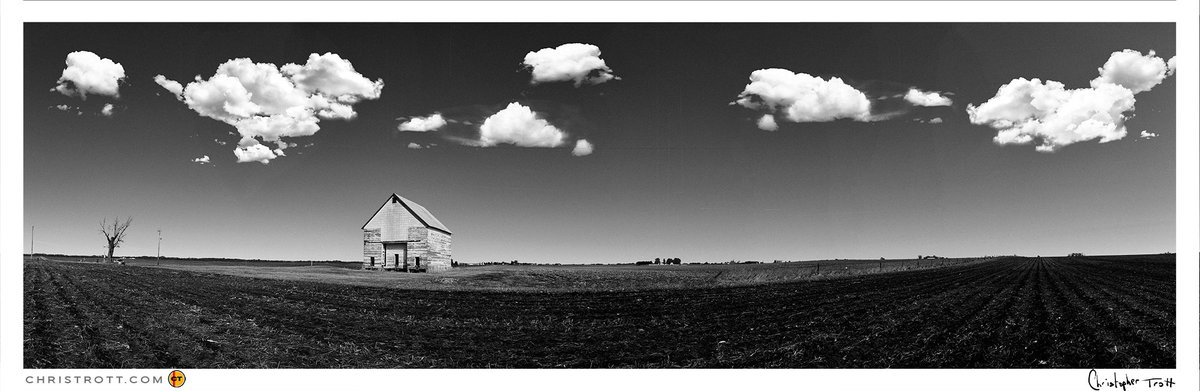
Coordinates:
x,y
403,236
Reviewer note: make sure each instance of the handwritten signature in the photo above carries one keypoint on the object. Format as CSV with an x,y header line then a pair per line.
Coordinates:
x,y
1124,382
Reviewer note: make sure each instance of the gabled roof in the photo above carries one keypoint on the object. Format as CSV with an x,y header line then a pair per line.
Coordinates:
x,y
416,210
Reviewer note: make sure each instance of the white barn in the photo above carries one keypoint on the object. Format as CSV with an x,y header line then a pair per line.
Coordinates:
x,y
402,235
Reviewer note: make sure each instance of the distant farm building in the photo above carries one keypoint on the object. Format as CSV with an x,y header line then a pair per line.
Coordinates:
x,y
402,235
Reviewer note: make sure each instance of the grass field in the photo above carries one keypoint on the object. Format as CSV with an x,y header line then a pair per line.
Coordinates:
x,y
546,278
1001,313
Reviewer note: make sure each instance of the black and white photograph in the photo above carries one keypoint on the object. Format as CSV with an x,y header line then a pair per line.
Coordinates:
x,y
203,196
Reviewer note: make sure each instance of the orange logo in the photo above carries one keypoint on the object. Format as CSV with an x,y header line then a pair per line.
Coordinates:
x,y
176,378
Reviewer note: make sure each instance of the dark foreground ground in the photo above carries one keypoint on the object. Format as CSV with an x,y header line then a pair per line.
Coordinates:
x,y
1005,313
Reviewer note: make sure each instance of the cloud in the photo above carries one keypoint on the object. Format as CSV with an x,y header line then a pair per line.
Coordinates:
x,y
272,128
64,107
253,153
582,148
1027,110
88,74
107,110
170,85
1130,69
331,76
576,62
926,99
518,125
423,124
550,125
936,120
268,103
800,97
1148,134
414,146
202,160
780,95
767,122
221,97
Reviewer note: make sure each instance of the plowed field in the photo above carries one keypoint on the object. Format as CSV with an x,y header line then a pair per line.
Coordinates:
x,y
1006,313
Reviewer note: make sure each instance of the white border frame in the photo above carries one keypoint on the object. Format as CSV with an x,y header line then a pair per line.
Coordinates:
x,y
1184,13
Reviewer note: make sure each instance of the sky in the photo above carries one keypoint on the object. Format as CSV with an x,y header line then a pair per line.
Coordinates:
x,y
850,141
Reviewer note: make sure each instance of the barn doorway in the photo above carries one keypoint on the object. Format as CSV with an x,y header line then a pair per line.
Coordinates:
x,y
399,255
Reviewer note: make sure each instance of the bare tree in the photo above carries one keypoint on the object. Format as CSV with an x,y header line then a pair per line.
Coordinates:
x,y
114,234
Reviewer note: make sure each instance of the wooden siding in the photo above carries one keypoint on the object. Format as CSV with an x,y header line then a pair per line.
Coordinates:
x,y
438,250
372,247
418,248
393,221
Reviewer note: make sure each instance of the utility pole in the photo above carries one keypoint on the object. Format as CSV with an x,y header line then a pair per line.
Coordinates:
x,y
159,247
31,228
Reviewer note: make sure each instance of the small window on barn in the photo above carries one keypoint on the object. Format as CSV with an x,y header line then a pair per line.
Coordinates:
x,y
372,261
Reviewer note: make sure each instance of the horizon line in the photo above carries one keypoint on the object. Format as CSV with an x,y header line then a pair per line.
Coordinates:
x,y
26,254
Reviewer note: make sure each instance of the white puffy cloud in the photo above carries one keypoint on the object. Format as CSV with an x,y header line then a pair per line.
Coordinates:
x,y
582,148
423,124
88,74
577,62
269,90
332,109
767,122
202,160
1148,134
515,124
170,85
267,103
926,98
272,128
330,75
518,125
1028,110
221,97
1132,70
800,97
107,110
936,120
64,107
253,153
